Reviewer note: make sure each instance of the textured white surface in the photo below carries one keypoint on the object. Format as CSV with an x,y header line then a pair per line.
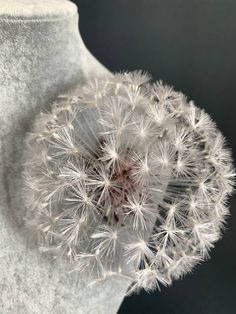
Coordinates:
x,y
37,8
38,60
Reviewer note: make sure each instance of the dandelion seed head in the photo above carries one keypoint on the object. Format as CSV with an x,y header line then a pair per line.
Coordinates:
x,y
126,177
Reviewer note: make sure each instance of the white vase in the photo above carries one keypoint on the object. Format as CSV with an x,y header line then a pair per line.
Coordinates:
x,y
41,56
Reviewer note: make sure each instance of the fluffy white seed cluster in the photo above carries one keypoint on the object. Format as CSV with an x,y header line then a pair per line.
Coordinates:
x,y
127,178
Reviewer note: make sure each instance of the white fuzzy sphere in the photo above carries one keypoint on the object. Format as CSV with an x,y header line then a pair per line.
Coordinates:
x,y
127,178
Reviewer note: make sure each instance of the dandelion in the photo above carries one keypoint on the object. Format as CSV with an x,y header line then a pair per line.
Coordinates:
x,y
125,178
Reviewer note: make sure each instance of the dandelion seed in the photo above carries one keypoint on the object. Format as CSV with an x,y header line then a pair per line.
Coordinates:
x,y
137,250
140,212
107,241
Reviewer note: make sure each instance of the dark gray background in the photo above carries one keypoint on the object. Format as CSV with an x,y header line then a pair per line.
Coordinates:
x,y
190,44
